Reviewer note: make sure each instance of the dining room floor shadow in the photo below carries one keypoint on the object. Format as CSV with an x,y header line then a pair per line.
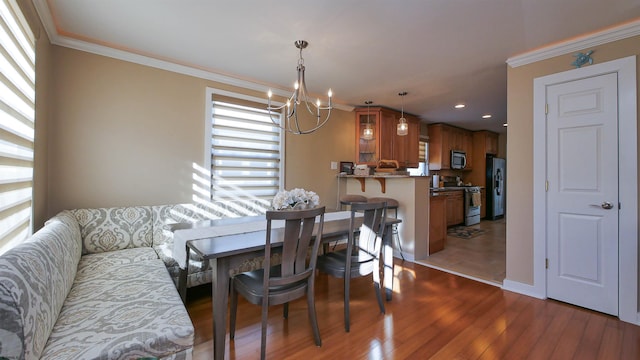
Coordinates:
x,y
477,252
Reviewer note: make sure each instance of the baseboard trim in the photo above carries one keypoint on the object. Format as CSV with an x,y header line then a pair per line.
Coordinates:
x,y
522,288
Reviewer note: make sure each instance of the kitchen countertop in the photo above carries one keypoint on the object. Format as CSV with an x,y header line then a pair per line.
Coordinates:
x,y
453,188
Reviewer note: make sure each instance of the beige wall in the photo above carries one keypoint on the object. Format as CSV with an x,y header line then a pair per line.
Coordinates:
x,y
520,150
125,134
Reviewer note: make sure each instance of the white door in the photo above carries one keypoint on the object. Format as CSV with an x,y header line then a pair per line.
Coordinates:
x,y
582,196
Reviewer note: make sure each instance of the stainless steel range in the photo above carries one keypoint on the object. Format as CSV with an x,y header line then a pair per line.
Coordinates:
x,y
472,203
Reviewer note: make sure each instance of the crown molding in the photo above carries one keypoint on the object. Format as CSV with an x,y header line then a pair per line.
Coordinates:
x,y
54,38
615,33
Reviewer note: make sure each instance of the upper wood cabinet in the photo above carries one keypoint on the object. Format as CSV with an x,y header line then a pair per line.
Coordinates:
x,y
445,138
385,143
484,143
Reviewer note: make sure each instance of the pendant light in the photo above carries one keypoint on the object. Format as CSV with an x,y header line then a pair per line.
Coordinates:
x,y
403,127
367,132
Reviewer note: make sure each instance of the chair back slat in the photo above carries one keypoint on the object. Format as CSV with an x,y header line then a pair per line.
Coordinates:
x,y
297,239
374,221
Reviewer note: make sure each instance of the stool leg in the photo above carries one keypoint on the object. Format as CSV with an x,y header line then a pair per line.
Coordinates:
x,y
396,235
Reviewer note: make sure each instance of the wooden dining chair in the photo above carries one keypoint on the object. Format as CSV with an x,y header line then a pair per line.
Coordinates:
x,y
362,254
290,280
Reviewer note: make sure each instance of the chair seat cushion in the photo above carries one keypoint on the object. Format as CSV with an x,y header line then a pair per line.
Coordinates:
x,y
391,203
333,263
250,284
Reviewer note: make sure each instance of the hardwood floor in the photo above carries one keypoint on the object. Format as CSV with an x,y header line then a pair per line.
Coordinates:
x,y
482,257
433,315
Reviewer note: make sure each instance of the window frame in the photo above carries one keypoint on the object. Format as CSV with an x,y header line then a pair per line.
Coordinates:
x,y
210,95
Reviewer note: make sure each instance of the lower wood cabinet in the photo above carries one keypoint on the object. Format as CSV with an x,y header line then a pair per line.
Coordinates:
x,y
437,223
454,206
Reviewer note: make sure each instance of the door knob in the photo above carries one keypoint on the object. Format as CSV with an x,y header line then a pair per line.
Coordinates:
x,y
605,205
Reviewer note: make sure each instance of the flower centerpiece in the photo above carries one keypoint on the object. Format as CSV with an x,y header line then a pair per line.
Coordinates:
x,y
296,198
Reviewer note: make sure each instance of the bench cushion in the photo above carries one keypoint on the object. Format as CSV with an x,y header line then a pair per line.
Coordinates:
x,y
109,229
35,278
122,311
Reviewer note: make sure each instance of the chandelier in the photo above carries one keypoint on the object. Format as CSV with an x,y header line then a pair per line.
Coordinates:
x,y
403,127
300,97
367,132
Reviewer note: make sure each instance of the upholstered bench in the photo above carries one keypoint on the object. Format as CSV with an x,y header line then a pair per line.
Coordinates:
x,y
89,285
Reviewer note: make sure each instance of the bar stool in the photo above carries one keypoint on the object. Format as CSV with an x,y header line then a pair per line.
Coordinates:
x,y
348,199
392,204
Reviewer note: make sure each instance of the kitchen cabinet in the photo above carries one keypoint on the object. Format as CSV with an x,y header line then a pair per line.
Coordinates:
x,y
444,138
491,143
484,143
437,223
385,143
454,206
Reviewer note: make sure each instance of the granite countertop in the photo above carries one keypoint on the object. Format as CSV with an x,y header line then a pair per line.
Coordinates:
x,y
375,176
453,188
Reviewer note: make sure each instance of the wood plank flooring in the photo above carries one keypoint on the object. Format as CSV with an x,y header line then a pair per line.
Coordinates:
x,y
433,315
482,257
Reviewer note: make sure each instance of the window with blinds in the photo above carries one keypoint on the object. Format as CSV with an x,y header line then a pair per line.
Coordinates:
x,y
423,160
17,116
246,156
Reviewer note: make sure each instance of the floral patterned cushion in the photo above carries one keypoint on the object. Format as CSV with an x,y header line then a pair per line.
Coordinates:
x,y
122,310
109,229
35,278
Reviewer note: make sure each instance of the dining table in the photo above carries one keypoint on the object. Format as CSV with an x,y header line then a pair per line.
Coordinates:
x,y
236,240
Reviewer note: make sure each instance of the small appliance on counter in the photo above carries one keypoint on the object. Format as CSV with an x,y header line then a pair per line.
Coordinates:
x,y
362,169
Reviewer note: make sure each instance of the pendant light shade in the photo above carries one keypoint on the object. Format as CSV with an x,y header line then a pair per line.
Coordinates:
x,y
403,126
367,132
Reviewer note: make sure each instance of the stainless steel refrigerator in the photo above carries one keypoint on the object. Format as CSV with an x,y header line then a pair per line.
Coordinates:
x,y
496,181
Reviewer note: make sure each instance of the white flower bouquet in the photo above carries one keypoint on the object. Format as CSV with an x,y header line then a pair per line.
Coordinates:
x,y
295,198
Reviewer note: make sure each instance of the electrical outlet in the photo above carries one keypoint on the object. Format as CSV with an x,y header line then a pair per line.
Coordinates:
x,y
334,165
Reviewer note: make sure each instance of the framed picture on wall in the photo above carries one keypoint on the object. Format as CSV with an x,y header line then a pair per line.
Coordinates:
x,y
346,167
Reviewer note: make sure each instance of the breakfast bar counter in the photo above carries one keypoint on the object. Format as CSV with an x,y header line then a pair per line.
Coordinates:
x,y
412,194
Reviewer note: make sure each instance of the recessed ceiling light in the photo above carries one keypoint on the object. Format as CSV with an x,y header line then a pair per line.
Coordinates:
x,y
505,124
459,106
487,116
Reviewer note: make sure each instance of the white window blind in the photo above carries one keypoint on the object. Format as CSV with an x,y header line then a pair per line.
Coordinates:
x,y
245,156
17,117
422,151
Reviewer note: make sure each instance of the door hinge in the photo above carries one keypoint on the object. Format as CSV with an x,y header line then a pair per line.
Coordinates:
x,y
546,185
546,263
546,109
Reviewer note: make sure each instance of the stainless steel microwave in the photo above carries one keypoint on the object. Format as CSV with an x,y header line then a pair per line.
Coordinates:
x,y
458,159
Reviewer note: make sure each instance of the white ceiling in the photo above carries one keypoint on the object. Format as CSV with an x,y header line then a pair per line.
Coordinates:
x,y
440,51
